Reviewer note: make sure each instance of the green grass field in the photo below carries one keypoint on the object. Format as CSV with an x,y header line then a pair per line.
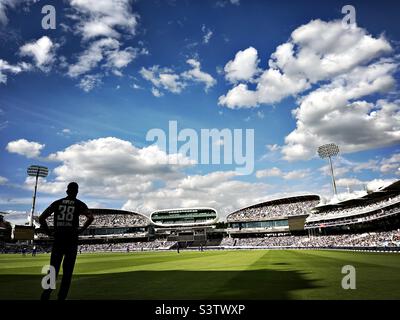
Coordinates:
x,y
256,274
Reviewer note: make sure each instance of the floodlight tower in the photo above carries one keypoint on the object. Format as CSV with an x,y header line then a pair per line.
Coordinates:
x,y
36,171
328,151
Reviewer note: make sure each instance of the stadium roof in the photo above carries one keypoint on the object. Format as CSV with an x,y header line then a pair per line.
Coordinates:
x,y
393,188
307,197
116,211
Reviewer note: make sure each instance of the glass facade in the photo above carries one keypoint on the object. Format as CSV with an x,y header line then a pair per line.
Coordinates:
x,y
259,224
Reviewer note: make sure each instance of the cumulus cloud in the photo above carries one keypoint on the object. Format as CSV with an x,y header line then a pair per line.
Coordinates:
x,y
89,82
167,79
104,26
6,68
3,180
239,97
195,74
104,18
243,67
16,217
349,182
316,51
341,69
377,184
273,172
354,126
106,50
391,164
218,190
385,165
145,178
29,149
163,78
42,51
112,168
289,175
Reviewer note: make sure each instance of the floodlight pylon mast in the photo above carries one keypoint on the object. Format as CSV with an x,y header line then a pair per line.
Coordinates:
x,y
328,151
333,176
36,171
34,199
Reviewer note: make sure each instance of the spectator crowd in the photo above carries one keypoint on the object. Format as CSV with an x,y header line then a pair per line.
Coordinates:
x,y
126,247
112,220
273,210
372,239
332,212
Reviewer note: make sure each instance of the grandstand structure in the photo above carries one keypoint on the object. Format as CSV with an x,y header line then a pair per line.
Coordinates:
x,y
110,225
374,211
371,221
184,224
281,216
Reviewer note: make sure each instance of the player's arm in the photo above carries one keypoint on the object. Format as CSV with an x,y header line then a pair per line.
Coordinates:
x,y
89,219
42,219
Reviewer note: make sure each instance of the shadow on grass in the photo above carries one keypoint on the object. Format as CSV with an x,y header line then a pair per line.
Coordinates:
x,y
181,285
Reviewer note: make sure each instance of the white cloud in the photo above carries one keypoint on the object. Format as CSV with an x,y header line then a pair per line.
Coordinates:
x,y
243,67
376,184
342,67
157,93
106,49
195,74
273,147
316,51
207,34
41,50
296,174
104,26
326,115
349,182
104,18
149,178
273,172
3,180
6,67
92,56
29,149
163,78
96,166
16,217
89,82
260,115
391,164
167,79
223,3
6,5
289,175
239,97
217,189
121,58
385,165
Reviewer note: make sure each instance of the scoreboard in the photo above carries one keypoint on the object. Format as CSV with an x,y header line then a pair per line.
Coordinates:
x,y
23,233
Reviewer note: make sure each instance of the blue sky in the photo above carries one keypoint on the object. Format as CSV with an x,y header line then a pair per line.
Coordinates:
x,y
81,98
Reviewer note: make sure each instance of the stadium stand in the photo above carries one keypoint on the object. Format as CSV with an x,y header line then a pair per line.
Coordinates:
x,y
373,239
280,208
371,222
